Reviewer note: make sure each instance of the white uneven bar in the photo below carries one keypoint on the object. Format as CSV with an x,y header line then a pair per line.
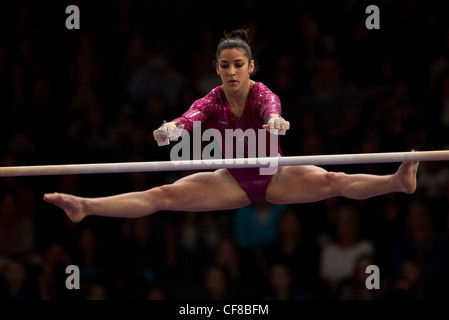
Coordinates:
x,y
319,160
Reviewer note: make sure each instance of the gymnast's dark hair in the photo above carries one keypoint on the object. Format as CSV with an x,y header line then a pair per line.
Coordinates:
x,y
235,39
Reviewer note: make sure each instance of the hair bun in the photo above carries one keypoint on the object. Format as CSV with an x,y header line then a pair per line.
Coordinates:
x,y
239,33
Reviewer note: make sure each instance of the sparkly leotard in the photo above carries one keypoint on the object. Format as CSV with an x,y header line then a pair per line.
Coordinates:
x,y
214,110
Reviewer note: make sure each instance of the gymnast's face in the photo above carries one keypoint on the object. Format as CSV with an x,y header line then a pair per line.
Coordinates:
x,y
234,69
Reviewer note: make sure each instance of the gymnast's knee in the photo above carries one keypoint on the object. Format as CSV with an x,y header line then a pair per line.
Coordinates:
x,y
335,182
161,196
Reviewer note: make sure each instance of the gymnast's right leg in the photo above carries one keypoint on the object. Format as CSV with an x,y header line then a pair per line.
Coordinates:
x,y
205,191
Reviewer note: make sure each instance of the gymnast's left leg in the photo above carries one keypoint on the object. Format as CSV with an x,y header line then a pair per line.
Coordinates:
x,y
302,184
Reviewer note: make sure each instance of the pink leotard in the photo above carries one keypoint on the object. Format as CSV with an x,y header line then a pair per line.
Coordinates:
x,y
214,110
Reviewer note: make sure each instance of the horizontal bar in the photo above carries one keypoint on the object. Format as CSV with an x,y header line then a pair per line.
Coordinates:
x,y
264,162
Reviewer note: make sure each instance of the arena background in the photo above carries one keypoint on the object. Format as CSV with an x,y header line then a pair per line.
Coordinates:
x,y
97,93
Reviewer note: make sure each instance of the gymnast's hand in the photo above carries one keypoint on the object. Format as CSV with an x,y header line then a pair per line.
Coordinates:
x,y
165,131
275,121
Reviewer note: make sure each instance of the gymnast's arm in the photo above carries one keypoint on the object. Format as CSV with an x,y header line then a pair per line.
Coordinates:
x,y
270,110
194,116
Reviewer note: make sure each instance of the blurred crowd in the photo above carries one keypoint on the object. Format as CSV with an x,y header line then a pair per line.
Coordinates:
x,y
96,94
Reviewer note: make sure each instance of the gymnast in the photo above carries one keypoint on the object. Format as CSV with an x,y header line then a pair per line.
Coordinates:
x,y
241,103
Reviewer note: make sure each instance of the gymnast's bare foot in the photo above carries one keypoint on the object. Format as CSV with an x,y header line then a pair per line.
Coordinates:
x,y
406,176
73,206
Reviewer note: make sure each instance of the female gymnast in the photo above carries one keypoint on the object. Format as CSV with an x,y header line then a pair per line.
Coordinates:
x,y
238,103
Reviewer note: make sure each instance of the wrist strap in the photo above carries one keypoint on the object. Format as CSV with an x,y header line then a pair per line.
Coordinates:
x,y
175,123
270,116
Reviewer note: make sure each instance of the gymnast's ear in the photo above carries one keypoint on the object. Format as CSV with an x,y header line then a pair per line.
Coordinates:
x,y
251,66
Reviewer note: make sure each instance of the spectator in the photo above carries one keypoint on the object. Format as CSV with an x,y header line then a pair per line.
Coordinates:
x,y
142,257
243,270
281,284
17,282
295,249
16,230
339,257
356,288
51,274
87,256
96,291
256,225
408,286
156,293
419,243
216,284
156,74
433,176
